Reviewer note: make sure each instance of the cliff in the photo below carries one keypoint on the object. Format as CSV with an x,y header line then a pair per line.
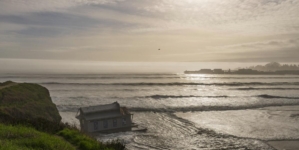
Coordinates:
x,y
26,101
30,120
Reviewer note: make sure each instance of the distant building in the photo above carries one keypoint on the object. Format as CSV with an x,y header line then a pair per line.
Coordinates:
x,y
246,71
218,71
207,71
105,118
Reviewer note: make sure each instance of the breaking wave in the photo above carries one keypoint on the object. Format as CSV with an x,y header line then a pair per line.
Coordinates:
x,y
206,108
222,96
251,88
74,108
181,96
272,96
157,97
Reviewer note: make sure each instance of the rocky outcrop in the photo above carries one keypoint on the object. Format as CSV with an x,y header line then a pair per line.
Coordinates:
x,y
26,101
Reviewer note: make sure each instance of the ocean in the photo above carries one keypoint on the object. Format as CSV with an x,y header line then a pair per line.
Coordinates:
x,y
184,111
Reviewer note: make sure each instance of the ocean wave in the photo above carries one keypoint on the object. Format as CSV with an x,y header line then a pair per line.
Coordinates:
x,y
74,108
81,98
182,96
160,97
206,108
251,88
66,108
221,96
179,84
97,90
294,115
273,96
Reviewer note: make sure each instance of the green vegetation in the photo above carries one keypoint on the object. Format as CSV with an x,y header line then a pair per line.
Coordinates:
x,y
25,100
275,66
20,137
15,137
30,120
85,142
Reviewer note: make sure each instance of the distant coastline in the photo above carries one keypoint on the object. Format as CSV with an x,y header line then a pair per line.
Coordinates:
x,y
272,68
243,72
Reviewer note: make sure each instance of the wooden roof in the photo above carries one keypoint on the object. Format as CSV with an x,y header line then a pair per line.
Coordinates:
x,y
103,111
100,108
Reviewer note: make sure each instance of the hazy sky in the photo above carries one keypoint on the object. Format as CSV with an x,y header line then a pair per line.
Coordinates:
x,y
134,30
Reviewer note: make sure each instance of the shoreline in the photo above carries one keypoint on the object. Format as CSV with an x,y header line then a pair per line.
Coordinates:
x,y
277,144
284,144
277,116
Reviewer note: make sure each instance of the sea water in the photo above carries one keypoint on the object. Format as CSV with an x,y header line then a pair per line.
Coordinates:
x,y
184,111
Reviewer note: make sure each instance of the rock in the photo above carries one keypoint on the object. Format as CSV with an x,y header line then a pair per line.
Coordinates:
x,y
26,101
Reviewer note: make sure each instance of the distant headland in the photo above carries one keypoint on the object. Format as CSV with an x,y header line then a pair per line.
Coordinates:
x,y
273,68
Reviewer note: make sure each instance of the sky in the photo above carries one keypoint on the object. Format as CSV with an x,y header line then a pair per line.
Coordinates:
x,y
134,30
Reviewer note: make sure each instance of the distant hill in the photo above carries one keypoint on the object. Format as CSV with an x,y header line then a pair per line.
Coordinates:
x,y
275,66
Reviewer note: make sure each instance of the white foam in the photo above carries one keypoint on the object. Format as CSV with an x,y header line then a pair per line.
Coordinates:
x,y
69,117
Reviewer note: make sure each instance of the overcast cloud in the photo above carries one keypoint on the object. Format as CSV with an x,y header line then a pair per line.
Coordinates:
x,y
133,30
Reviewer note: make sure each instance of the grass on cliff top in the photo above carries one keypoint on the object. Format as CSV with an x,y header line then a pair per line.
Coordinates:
x,y
28,136
7,84
84,142
25,138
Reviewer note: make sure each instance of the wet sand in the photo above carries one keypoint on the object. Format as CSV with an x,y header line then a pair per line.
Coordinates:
x,y
276,126
285,145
